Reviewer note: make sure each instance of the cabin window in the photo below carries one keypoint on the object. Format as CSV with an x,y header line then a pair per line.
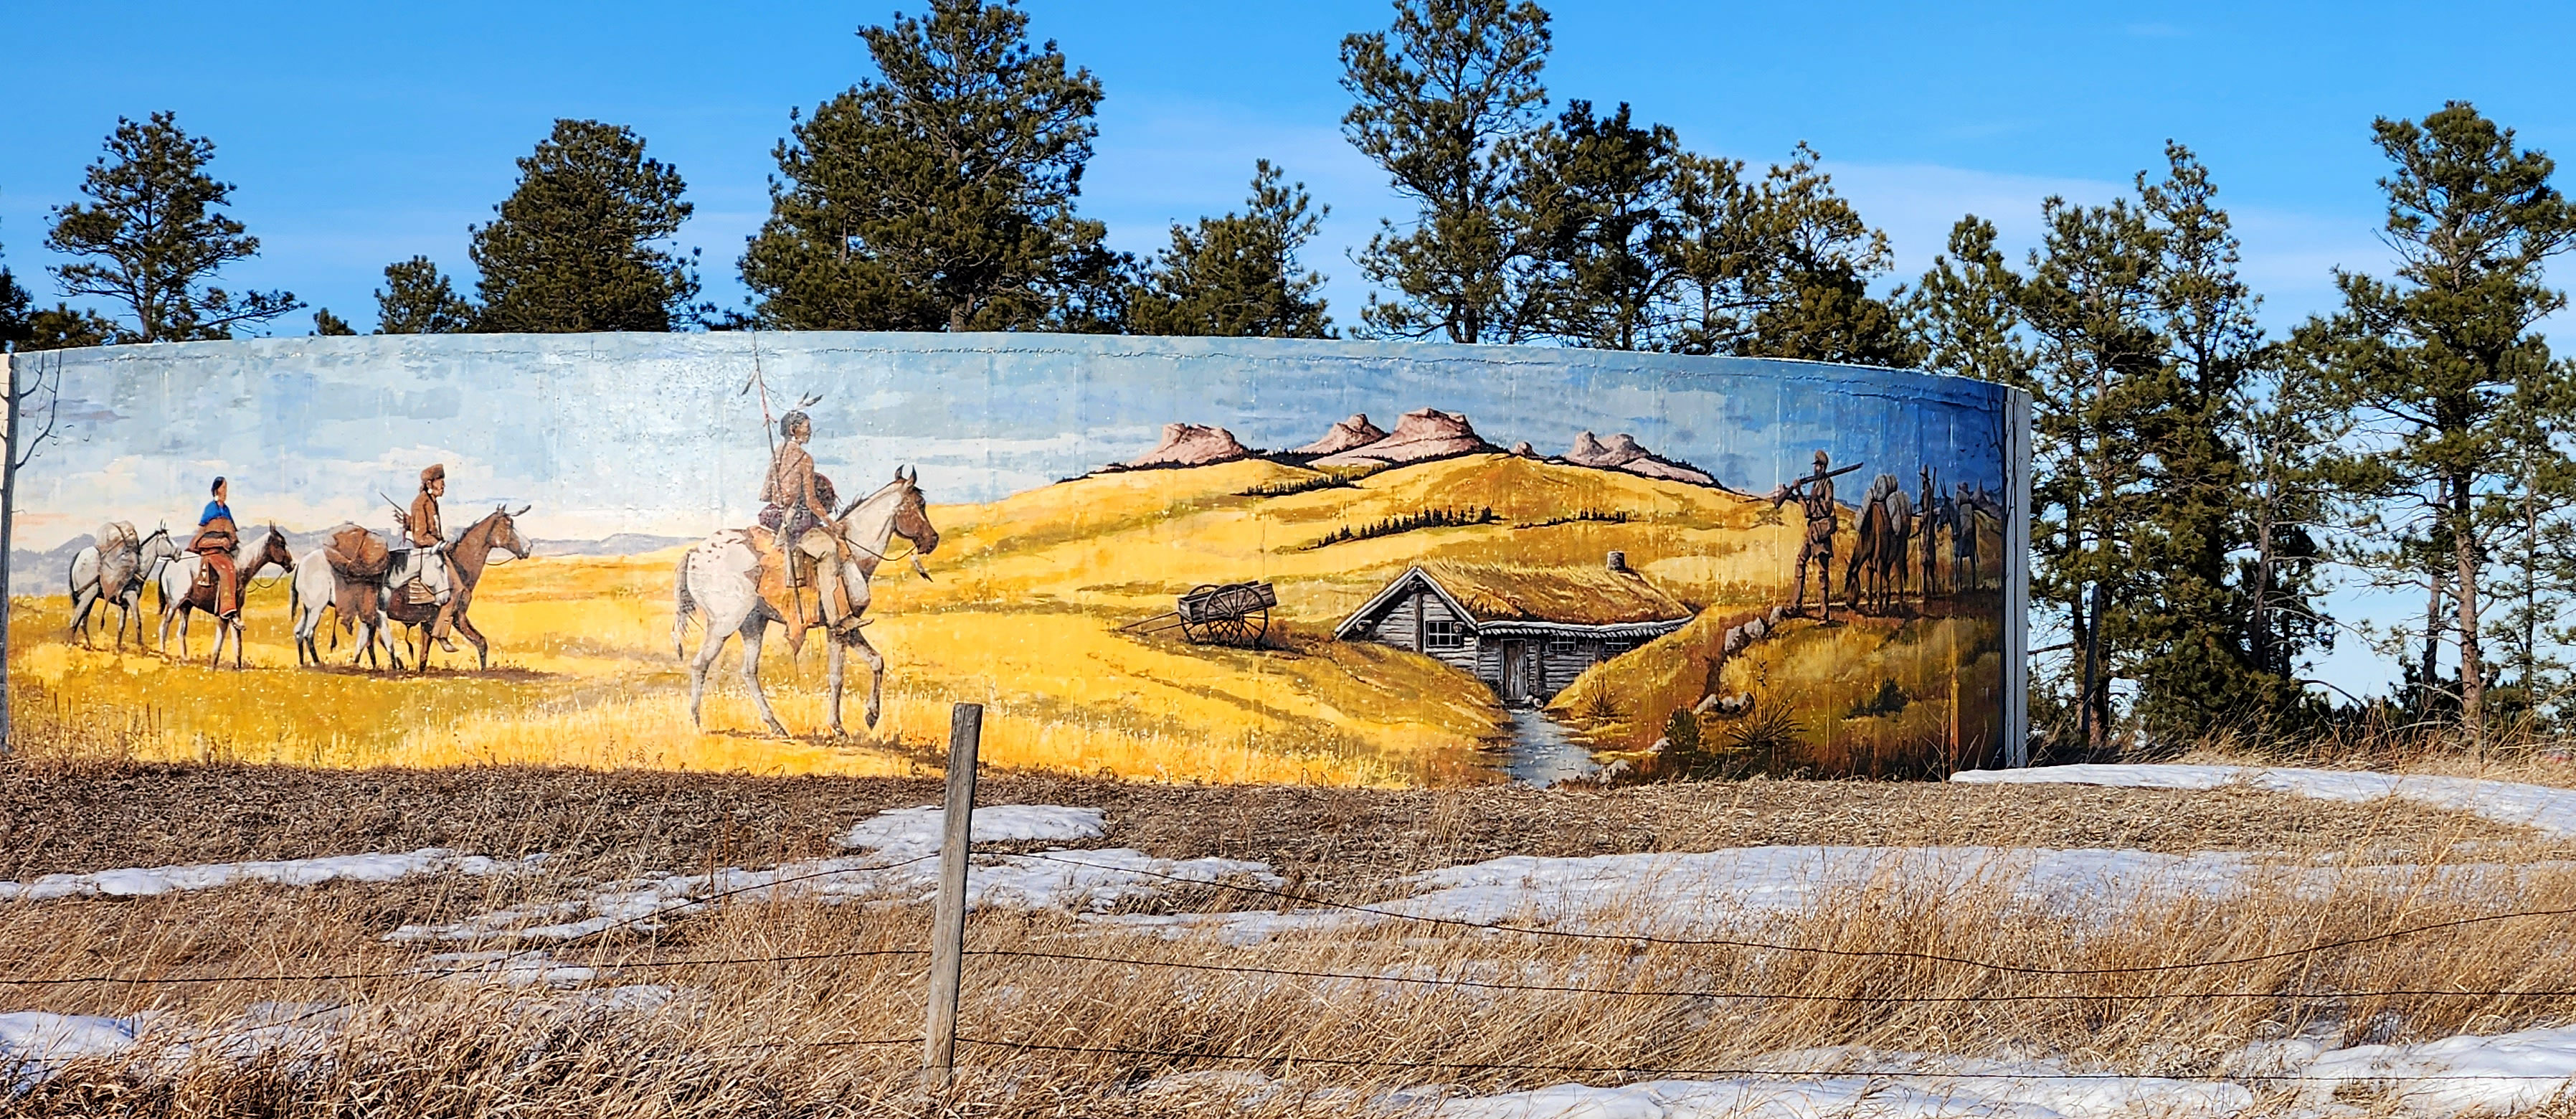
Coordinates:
x,y
1560,645
1444,633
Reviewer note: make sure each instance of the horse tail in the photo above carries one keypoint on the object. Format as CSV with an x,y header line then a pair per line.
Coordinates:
x,y
681,607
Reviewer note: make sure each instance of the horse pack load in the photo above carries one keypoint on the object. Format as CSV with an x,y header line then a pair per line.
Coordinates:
x,y
358,553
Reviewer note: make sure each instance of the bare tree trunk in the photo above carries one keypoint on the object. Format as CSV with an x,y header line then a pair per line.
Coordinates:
x,y
2433,614
2259,615
2473,683
8,521
2530,601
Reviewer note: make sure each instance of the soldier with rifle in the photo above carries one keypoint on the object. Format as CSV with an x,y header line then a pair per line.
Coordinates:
x,y
1815,495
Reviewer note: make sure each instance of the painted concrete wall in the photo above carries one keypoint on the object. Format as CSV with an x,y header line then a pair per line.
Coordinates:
x,y
647,441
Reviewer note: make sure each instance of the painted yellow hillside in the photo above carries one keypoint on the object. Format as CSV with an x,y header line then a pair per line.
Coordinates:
x,y
1157,533
1024,613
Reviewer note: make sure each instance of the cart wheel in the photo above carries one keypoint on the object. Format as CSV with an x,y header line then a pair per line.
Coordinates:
x,y
1244,630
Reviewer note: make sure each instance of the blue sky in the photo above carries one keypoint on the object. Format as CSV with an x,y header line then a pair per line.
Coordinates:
x,y
362,134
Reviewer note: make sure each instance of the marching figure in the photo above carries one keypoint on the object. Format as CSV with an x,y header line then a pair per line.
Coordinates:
x,y
797,505
215,541
1815,494
429,560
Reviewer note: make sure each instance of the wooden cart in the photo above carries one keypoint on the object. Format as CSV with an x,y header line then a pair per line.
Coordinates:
x,y
1235,614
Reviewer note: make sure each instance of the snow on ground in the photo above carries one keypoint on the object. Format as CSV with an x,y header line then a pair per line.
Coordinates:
x,y
147,881
2542,807
2026,1090
896,868
905,832
2496,1074
35,1046
1679,894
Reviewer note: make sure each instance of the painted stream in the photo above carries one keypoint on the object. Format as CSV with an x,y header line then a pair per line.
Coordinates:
x,y
1543,753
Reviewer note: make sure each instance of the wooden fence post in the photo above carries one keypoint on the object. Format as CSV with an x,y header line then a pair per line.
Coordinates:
x,y
948,921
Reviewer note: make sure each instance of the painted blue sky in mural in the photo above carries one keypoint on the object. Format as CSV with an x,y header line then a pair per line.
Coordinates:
x,y
655,434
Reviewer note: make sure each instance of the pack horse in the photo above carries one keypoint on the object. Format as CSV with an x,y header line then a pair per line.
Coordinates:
x,y
113,571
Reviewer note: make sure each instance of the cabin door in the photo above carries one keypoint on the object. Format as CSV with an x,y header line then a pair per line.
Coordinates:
x,y
1516,687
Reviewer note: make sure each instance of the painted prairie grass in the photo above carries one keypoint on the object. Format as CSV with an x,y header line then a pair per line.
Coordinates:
x,y
1077,1016
1023,614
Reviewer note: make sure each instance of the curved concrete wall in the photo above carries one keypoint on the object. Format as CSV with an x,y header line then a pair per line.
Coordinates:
x,y
643,441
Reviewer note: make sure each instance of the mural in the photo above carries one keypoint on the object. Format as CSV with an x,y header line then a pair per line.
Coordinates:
x,y
1202,559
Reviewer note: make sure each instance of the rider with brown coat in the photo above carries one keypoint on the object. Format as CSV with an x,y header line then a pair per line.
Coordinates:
x,y
424,530
217,536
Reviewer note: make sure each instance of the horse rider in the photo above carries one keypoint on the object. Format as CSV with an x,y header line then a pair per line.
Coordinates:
x,y
428,537
217,537
1815,494
794,506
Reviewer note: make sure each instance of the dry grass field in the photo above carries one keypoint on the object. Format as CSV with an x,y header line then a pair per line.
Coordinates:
x,y
778,1006
1023,614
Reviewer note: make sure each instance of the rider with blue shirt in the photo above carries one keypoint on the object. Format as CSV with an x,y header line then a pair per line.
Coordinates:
x,y
216,539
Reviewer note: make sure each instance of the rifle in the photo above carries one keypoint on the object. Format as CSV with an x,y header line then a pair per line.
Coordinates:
x,y
1783,492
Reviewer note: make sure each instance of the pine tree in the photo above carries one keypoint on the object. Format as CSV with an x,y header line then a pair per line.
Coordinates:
x,y
328,325
1778,268
2197,669
939,195
152,237
2443,372
1443,100
1238,275
2089,300
16,327
416,299
1966,310
576,245
1593,201
1820,257
2177,513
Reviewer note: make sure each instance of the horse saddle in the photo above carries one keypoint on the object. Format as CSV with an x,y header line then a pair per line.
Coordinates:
x,y
801,610
358,553
774,561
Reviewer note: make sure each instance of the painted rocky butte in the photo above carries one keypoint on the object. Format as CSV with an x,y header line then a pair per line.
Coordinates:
x,y
1172,558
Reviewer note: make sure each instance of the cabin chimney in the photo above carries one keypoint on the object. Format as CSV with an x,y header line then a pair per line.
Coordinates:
x,y
1619,562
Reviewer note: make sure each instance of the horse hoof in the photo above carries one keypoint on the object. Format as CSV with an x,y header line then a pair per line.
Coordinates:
x,y
778,731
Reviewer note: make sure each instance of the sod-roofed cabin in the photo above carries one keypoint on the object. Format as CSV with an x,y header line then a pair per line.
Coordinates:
x,y
1526,632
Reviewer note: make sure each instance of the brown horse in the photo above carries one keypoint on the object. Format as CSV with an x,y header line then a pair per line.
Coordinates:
x,y
181,593
473,548
1885,531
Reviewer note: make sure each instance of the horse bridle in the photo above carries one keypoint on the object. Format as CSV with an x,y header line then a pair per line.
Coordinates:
x,y
913,554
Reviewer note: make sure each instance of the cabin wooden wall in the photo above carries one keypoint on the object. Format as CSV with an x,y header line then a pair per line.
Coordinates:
x,y
1401,624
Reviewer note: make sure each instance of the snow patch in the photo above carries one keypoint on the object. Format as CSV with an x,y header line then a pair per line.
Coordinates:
x,y
34,1046
895,869
1685,894
2541,807
149,881
905,832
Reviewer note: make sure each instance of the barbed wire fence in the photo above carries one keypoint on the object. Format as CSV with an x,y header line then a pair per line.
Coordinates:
x,y
947,954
